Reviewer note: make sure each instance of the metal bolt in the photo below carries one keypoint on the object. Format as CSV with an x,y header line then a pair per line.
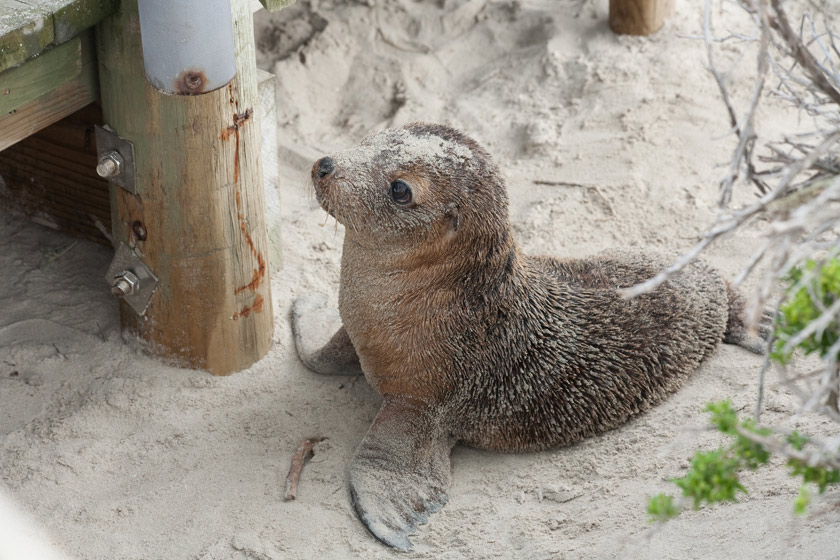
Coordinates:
x,y
110,164
125,283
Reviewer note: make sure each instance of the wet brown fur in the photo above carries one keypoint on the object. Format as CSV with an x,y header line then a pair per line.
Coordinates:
x,y
526,352
471,341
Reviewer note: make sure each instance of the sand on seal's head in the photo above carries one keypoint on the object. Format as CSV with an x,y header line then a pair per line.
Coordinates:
x,y
444,169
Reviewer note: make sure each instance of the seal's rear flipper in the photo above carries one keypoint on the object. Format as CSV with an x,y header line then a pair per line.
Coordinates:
x,y
738,333
400,473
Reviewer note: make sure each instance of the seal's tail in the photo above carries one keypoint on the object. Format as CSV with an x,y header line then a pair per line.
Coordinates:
x,y
738,333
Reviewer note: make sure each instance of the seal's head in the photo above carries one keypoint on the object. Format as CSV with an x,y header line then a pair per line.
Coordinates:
x,y
408,185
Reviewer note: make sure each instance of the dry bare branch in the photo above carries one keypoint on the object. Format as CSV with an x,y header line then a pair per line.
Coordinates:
x,y
797,178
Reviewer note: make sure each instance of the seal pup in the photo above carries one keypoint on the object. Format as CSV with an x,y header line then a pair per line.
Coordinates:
x,y
470,341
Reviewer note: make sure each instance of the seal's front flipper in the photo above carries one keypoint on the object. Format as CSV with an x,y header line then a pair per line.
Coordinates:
x,y
312,321
400,473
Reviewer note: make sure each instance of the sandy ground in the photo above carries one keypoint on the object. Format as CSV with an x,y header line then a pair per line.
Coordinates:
x,y
605,141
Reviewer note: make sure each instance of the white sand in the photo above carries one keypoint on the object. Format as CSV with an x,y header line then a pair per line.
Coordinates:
x,y
118,456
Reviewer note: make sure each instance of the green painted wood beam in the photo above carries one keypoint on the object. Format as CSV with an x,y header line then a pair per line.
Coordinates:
x,y
29,27
51,69
55,104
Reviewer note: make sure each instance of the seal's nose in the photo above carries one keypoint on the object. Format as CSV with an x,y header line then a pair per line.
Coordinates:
x,y
326,165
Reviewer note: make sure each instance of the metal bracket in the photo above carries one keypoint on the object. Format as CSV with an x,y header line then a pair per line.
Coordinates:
x,y
131,280
116,158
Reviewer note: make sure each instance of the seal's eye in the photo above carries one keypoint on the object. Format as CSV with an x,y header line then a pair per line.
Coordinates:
x,y
401,192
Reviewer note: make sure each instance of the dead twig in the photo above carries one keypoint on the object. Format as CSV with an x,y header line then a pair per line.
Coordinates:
x,y
300,456
815,73
550,183
798,182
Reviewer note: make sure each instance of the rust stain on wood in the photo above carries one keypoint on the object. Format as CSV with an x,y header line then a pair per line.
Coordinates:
x,y
231,99
257,276
256,307
259,272
239,120
139,230
190,82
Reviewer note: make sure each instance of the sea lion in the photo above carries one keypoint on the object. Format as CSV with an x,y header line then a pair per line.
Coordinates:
x,y
469,340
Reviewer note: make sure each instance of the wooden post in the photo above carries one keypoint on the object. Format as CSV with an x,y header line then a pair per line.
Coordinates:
x,y
639,17
198,218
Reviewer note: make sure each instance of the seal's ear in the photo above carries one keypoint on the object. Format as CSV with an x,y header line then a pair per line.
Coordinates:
x,y
453,216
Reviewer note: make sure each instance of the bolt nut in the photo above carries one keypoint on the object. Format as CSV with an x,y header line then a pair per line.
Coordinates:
x,y
110,164
125,283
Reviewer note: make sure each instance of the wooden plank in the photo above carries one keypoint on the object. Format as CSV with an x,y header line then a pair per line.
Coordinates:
x,y
40,75
56,104
200,199
28,27
276,5
76,16
51,177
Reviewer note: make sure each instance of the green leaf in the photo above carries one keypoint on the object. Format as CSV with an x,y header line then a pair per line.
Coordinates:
x,y
797,440
804,305
661,508
723,417
713,478
800,504
820,476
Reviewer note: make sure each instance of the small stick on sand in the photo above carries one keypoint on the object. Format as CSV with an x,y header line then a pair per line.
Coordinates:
x,y
303,450
560,183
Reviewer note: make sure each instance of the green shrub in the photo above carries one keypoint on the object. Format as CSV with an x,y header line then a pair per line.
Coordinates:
x,y
819,290
714,475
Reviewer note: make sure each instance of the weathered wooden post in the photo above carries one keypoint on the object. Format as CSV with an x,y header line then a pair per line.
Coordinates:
x,y
639,17
196,216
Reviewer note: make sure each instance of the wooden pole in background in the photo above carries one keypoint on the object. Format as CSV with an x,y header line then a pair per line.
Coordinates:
x,y
198,218
639,17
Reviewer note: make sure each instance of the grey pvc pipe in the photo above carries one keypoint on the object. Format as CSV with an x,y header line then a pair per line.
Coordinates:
x,y
187,44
